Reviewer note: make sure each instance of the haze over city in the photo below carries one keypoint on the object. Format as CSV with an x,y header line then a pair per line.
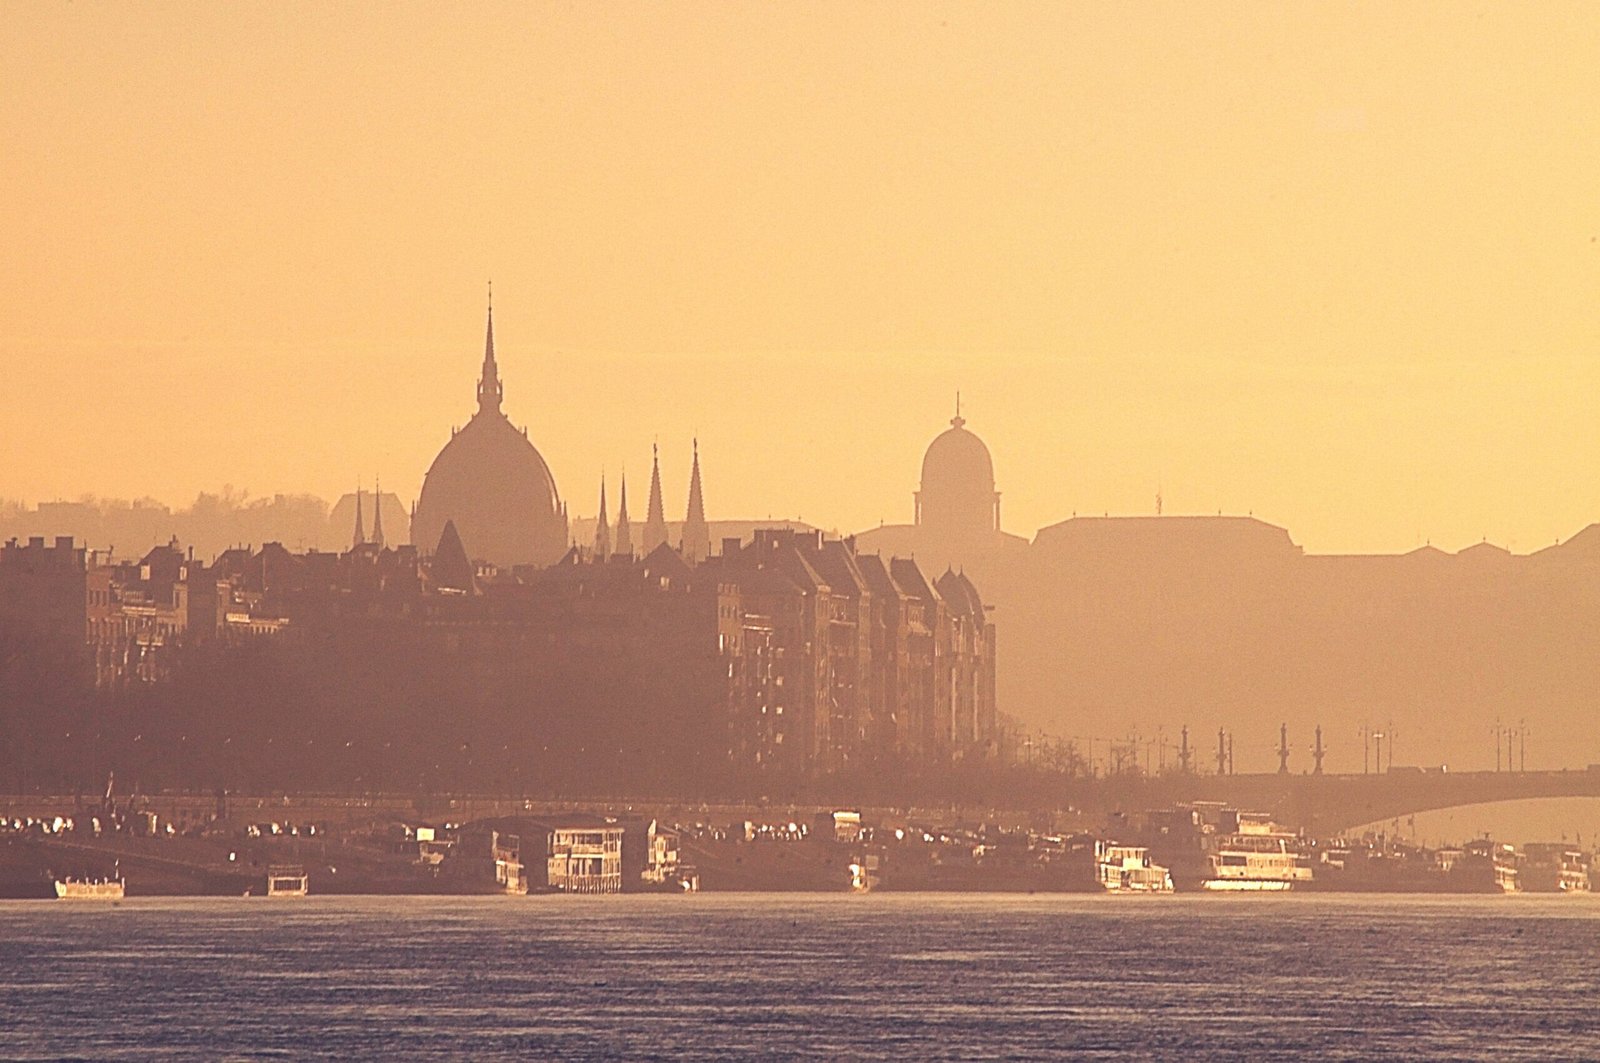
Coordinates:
x,y
1336,271
711,530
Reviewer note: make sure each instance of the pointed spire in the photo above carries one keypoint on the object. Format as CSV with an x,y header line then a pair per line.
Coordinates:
x,y
377,512
696,534
655,521
602,527
449,567
490,390
624,543
360,535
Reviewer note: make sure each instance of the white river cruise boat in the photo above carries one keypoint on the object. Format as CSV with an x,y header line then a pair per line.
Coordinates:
x,y
1256,856
1127,869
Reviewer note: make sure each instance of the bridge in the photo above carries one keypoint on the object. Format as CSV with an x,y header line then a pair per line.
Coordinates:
x,y
1329,804
1319,804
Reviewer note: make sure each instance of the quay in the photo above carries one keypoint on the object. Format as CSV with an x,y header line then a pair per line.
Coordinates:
x,y
294,846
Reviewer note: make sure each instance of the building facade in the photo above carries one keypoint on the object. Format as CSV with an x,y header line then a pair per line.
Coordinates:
x,y
789,654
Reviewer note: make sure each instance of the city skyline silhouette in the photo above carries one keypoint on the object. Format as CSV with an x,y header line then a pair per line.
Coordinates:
x,y
1286,273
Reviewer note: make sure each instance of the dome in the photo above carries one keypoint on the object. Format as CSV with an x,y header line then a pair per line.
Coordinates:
x,y
957,494
958,459
493,485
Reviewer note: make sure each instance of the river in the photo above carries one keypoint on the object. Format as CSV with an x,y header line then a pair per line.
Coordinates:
x,y
723,976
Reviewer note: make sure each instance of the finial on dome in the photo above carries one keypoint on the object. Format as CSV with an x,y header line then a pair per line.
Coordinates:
x,y
957,421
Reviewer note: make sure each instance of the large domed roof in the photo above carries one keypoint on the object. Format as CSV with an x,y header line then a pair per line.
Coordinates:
x,y
492,483
957,458
957,496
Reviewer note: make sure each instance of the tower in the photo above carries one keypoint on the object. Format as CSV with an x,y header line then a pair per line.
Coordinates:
x,y
1317,753
1283,749
624,543
377,512
696,533
655,520
602,528
360,535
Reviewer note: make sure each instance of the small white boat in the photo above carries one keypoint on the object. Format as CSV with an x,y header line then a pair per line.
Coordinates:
x,y
92,889
287,881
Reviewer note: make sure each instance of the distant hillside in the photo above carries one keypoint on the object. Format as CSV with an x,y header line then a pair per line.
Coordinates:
x,y
210,524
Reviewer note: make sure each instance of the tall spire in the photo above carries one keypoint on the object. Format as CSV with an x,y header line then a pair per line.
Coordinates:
x,y
696,535
361,527
655,521
377,512
602,527
490,390
624,544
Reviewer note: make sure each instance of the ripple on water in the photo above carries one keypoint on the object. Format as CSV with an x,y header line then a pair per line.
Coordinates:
x,y
721,976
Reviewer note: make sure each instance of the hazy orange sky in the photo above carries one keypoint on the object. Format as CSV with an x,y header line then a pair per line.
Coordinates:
x,y
1334,264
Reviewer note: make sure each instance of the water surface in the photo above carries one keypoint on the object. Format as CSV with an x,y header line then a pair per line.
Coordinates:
x,y
744,976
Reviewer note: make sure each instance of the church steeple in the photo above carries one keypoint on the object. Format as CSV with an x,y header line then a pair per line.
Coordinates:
x,y
377,512
696,534
490,390
360,535
602,528
655,520
624,544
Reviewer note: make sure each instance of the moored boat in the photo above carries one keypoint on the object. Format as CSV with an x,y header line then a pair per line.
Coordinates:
x,y
1214,848
1128,869
1267,861
94,889
287,880
1553,867
1480,866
